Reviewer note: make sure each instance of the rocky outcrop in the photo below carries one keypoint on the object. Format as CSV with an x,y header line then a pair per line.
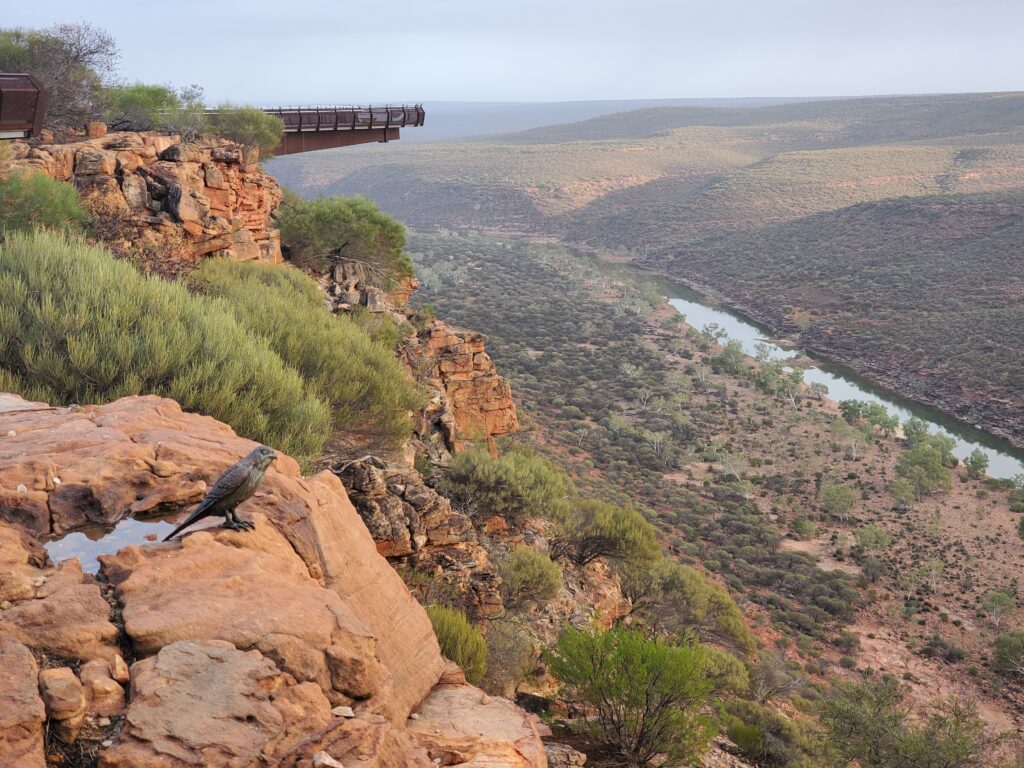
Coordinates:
x,y
416,528
472,402
184,200
294,641
462,725
468,399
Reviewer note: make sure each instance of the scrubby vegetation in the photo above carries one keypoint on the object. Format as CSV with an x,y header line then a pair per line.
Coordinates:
x,y
361,380
145,107
516,485
78,326
647,696
869,722
459,641
529,578
257,132
325,231
30,201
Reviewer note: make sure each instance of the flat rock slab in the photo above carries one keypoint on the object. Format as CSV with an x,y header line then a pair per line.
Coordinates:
x,y
198,704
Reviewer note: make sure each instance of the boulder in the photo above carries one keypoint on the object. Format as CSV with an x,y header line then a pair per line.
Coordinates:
x,y
64,698
92,161
461,725
103,693
22,712
68,617
254,593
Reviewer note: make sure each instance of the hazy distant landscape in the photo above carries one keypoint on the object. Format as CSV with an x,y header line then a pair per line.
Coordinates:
x,y
883,232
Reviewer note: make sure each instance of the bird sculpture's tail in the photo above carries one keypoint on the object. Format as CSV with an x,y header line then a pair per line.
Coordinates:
x,y
199,513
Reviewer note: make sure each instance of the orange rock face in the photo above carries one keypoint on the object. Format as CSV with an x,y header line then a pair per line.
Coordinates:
x,y
474,402
262,647
194,198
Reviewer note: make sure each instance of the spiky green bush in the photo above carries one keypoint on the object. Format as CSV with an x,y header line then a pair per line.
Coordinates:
x,y
78,326
517,485
459,641
529,577
30,200
368,390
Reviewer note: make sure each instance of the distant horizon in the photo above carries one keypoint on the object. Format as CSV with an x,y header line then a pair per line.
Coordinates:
x,y
539,51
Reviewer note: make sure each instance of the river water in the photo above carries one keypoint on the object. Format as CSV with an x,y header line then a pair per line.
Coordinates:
x,y
1004,460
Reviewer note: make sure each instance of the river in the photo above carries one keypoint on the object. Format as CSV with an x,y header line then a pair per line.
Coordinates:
x,y
1004,460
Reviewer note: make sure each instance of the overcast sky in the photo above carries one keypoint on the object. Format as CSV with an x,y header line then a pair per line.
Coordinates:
x,y
307,51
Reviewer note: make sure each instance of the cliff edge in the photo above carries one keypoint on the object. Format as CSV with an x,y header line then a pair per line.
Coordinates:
x,y
294,645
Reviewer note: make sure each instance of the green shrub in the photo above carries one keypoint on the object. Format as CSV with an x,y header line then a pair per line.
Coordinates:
x,y
318,233
78,326
803,528
770,738
146,107
31,200
459,641
869,722
923,466
364,383
594,529
510,656
646,696
1008,653
529,577
256,131
517,485
679,599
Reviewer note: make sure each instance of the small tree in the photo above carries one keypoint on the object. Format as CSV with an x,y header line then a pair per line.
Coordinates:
x,y
922,466
914,431
837,500
256,131
977,464
329,230
529,577
594,529
903,493
646,696
460,641
145,107
1008,653
517,485
73,61
997,605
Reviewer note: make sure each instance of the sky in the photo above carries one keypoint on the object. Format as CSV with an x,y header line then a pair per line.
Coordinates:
x,y
319,51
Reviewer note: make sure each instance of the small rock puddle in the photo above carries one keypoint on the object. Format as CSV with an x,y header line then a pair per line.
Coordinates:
x,y
89,542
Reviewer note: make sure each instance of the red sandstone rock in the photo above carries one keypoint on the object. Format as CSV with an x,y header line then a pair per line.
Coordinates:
x,y
478,730
151,179
64,698
21,710
249,638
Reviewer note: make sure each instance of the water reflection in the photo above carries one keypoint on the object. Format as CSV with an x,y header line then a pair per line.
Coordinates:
x,y
1004,459
89,542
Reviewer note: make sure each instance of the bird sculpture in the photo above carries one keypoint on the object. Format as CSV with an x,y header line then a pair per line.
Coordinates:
x,y
237,484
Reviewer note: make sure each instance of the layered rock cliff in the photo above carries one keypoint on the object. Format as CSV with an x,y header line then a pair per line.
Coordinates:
x,y
166,202
294,645
469,400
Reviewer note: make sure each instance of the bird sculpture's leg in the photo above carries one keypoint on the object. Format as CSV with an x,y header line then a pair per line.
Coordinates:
x,y
234,523
229,520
